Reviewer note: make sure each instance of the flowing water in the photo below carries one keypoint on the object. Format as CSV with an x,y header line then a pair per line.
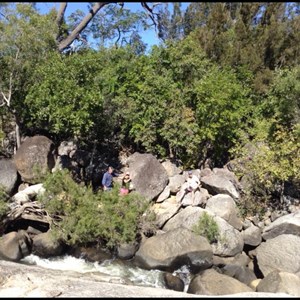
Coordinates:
x,y
137,276
112,267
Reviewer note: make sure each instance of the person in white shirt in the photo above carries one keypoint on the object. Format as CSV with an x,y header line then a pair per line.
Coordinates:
x,y
191,185
193,182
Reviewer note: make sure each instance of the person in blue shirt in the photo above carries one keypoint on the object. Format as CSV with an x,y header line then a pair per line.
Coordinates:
x,y
107,180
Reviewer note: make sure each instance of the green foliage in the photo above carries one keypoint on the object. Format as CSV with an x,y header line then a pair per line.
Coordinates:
x,y
283,103
270,162
273,158
254,202
4,208
171,25
277,161
207,227
119,26
260,36
86,216
66,98
223,107
25,39
2,135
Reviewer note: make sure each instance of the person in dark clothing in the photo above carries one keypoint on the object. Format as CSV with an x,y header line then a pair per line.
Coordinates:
x,y
107,180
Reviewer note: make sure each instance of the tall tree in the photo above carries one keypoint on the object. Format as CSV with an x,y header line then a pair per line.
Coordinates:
x,y
171,25
66,38
25,38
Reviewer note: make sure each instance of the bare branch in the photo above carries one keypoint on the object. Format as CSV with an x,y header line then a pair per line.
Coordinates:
x,y
81,26
7,98
4,16
119,36
6,101
152,15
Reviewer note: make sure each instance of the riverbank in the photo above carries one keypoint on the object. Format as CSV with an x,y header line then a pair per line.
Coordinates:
x,y
19,280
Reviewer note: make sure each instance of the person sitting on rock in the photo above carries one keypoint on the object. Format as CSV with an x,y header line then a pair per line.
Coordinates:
x,y
191,185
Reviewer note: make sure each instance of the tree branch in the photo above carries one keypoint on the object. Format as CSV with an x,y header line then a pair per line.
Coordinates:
x,y
152,14
81,26
61,13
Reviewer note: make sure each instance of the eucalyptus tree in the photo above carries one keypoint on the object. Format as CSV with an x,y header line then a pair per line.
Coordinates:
x,y
26,38
66,36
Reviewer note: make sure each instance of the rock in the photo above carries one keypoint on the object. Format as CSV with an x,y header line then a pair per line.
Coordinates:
x,y
149,177
8,175
15,245
173,249
34,158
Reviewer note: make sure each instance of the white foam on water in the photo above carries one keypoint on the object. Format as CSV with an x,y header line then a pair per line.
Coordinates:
x,y
111,267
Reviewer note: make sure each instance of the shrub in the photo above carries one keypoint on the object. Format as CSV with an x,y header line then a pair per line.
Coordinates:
x,y
85,216
207,227
3,202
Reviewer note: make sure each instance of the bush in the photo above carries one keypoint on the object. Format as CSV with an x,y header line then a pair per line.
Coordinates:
x,y
207,227
3,202
86,216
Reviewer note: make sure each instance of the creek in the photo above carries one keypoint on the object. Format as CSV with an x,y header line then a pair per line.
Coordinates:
x,y
113,267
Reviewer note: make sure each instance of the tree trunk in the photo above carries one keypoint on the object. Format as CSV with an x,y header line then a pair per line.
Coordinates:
x,y
18,137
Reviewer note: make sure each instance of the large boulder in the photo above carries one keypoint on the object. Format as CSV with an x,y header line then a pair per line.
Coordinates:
x,y
224,206
149,178
280,282
287,224
165,211
280,253
252,235
45,245
34,158
186,217
210,282
217,184
171,168
171,250
230,241
241,273
8,175
15,245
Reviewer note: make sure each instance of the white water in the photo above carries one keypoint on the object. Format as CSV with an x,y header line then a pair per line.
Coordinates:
x,y
137,276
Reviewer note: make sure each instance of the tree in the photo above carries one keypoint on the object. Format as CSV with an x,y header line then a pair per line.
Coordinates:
x,y
26,37
66,38
258,36
171,26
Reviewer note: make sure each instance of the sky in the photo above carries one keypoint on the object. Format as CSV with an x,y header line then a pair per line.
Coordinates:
x,y
149,36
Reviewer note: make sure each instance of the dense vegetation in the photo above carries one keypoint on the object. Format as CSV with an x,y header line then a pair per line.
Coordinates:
x,y
83,216
223,85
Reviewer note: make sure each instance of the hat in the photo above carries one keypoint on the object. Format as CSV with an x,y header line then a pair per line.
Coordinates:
x,y
127,173
190,172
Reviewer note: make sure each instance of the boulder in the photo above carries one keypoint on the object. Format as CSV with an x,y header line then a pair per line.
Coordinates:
x,y
210,282
35,158
45,245
149,178
15,245
174,249
8,175
280,282
280,253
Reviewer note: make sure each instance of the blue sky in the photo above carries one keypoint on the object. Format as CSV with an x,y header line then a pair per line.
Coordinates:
x,y
149,36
